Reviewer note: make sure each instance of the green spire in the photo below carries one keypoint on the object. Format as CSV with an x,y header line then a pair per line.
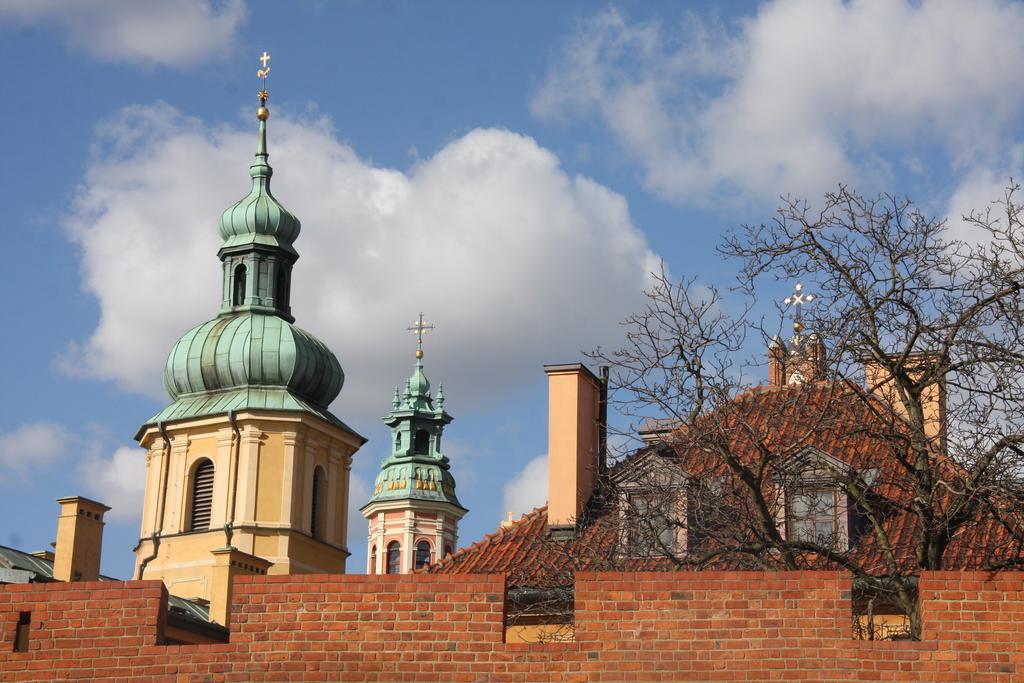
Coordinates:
x,y
251,356
416,468
258,219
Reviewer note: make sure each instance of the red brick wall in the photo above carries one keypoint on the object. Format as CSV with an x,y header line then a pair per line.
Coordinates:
x,y
720,626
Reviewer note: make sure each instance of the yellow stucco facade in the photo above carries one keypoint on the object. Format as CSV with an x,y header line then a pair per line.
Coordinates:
x,y
262,501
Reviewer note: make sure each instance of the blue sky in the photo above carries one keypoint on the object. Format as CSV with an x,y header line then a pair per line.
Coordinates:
x,y
513,170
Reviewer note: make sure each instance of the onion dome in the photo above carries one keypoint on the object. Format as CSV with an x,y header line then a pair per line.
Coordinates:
x,y
258,218
251,356
253,350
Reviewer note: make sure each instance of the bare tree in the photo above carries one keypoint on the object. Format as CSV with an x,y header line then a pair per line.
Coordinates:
x,y
892,441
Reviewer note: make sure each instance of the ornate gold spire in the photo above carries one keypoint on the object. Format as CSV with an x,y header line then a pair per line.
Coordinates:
x,y
419,328
262,113
797,299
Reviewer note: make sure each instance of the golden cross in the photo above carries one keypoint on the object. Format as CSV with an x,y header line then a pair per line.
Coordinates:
x,y
263,73
419,328
797,299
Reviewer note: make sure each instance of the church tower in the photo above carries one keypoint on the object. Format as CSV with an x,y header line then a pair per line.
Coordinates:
x,y
247,470
414,513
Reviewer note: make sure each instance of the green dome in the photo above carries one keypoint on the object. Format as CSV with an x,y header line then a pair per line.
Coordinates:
x,y
258,218
253,350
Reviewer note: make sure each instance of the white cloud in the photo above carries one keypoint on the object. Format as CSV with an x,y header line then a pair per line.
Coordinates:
x,y
529,488
176,33
32,447
803,95
118,481
517,262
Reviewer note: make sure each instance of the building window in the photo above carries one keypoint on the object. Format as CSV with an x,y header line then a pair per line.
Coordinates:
x,y
318,514
447,550
813,516
394,558
373,560
422,443
281,289
422,554
238,292
649,528
202,496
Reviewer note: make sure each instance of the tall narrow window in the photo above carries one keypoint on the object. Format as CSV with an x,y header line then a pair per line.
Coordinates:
x,y
318,516
238,293
422,554
21,632
373,560
394,558
202,496
280,289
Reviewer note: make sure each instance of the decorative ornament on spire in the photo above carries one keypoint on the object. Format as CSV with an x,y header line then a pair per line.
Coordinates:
x,y
419,328
797,299
262,113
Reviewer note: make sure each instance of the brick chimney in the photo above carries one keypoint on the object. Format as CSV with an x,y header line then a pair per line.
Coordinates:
x,y
879,381
574,437
79,539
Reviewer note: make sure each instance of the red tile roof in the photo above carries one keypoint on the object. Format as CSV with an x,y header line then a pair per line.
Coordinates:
x,y
831,417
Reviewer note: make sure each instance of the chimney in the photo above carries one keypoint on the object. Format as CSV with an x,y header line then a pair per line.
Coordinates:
x,y
879,382
79,539
777,362
574,438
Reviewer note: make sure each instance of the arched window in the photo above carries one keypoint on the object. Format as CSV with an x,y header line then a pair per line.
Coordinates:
x,y
318,516
398,441
238,293
394,558
281,289
373,559
202,495
422,554
422,444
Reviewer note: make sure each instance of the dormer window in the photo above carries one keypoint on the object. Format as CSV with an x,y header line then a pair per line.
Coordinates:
x,y
652,509
815,504
650,527
814,516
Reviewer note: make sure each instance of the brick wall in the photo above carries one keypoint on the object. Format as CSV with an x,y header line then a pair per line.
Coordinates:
x,y
713,626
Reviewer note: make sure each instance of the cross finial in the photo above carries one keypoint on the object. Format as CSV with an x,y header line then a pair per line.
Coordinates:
x,y
797,299
263,73
419,328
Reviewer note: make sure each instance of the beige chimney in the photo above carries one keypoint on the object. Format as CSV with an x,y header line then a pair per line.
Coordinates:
x,y
933,401
228,563
574,396
79,539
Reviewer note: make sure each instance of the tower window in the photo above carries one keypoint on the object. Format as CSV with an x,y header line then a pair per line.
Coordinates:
x,y
373,560
238,292
422,554
394,558
202,496
422,444
318,516
280,289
